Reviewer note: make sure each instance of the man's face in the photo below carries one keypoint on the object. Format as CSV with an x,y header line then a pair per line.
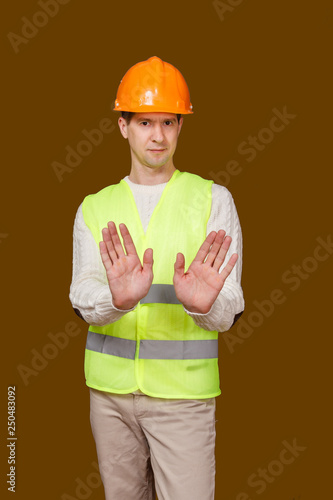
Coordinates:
x,y
152,138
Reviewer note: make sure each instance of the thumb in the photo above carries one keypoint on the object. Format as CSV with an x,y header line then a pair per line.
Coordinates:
x,y
148,260
179,265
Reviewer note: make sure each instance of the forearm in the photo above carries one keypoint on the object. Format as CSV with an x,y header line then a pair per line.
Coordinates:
x,y
230,302
89,292
224,311
92,301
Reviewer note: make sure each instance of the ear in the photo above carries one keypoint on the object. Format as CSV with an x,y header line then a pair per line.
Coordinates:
x,y
123,127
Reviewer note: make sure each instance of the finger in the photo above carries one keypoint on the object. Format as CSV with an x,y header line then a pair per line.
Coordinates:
x,y
127,239
115,239
148,260
109,244
105,256
215,248
204,249
179,265
220,257
228,268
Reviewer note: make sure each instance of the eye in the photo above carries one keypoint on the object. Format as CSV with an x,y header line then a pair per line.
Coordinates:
x,y
168,122
144,123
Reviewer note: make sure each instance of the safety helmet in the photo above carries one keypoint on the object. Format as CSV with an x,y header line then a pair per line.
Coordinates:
x,y
153,86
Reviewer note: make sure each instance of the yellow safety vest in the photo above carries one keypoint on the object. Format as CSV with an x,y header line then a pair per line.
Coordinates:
x,y
157,347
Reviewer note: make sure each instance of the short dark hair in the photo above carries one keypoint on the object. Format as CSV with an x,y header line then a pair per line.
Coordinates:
x,y
128,115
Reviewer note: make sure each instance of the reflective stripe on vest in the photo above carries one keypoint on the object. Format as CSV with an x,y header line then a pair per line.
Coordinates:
x,y
153,349
160,294
106,344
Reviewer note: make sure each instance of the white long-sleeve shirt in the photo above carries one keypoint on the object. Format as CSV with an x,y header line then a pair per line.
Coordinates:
x,y
90,294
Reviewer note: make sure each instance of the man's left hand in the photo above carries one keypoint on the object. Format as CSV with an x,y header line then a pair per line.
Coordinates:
x,y
198,288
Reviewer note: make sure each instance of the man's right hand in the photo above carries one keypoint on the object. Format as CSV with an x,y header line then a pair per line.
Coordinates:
x,y
129,281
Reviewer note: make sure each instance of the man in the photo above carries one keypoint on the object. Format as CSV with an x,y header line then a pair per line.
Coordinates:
x,y
151,353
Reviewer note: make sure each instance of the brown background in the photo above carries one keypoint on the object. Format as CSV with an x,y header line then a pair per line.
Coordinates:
x,y
262,55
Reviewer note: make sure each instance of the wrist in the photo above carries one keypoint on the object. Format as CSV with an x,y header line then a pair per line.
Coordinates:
x,y
197,310
123,306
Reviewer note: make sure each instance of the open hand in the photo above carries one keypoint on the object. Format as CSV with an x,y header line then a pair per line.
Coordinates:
x,y
198,288
129,281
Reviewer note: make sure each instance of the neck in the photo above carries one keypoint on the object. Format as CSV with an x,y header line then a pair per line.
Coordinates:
x,y
150,176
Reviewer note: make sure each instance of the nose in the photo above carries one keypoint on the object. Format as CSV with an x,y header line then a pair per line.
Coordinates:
x,y
157,133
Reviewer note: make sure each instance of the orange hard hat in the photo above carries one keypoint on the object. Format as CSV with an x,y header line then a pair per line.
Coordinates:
x,y
153,86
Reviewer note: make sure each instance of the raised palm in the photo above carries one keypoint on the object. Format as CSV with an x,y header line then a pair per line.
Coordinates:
x,y
129,281
198,288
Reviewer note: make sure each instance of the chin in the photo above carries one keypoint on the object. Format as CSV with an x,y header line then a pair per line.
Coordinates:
x,y
159,163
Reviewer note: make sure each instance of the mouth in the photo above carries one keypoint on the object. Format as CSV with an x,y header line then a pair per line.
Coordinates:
x,y
157,150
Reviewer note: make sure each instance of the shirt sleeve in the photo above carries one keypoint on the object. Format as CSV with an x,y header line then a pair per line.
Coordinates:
x,y
229,304
90,294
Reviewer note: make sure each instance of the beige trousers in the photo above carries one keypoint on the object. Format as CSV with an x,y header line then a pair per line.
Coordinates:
x,y
145,443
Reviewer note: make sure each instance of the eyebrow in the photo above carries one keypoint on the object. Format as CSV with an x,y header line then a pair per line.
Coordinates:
x,y
144,119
